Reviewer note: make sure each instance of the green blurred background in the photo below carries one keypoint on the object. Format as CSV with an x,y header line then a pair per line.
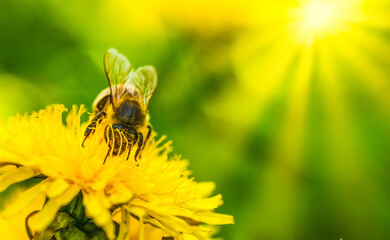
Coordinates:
x,y
286,112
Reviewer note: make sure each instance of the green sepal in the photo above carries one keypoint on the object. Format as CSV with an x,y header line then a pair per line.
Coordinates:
x,y
74,233
99,235
91,227
61,221
76,209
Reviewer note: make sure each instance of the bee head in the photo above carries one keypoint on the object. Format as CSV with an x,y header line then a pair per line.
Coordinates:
x,y
129,112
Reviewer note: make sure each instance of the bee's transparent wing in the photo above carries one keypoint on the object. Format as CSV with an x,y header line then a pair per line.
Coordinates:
x,y
144,80
117,69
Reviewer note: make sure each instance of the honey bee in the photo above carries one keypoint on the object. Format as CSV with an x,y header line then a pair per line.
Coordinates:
x,y
124,105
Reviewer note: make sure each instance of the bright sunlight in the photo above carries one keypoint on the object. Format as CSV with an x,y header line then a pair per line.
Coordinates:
x,y
315,19
317,14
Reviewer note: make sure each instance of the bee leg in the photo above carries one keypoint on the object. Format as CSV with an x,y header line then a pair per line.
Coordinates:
x,y
128,153
146,139
108,136
140,145
135,134
91,127
149,133
108,153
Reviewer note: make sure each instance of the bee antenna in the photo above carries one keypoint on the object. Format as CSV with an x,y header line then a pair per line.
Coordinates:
x,y
113,106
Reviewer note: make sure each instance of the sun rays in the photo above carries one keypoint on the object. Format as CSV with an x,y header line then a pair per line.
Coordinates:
x,y
348,29
317,19
331,51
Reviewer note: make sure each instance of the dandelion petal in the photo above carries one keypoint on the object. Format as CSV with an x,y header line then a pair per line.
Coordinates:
x,y
44,217
57,187
24,199
95,208
214,218
15,175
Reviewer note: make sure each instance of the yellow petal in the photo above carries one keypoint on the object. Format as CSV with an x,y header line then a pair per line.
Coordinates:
x,y
141,234
175,226
215,218
120,194
206,204
57,187
96,209
109,229
15,175
49,211
197,236
92,204
205,188
124,225
9,157
24,199
170,222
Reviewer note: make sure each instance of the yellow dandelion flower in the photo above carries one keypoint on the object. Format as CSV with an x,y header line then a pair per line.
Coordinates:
x,y
151,198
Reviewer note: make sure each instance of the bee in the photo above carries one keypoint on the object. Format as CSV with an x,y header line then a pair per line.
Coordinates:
x,y
124,105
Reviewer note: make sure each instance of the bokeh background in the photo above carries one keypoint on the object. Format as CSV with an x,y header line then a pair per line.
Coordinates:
x,y
284,104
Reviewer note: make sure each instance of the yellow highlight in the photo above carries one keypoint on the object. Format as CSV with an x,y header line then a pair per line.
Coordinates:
x,y
317,14
316,19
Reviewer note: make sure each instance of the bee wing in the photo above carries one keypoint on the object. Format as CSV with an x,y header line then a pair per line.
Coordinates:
x,y
117,69
144,80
